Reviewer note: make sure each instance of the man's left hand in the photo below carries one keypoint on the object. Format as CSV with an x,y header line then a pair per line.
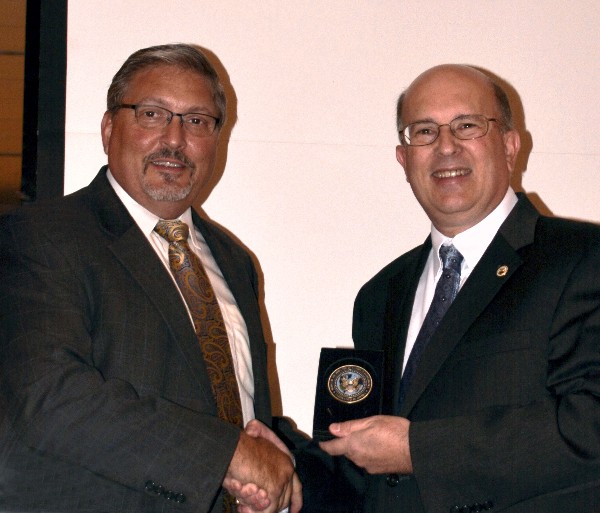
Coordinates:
x,y
378,444
251,497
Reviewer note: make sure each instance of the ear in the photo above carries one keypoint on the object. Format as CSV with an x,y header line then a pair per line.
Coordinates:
x,y
512,145
401,157
106,129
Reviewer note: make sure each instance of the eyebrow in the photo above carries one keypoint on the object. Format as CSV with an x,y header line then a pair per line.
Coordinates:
x,y
424,120
151,100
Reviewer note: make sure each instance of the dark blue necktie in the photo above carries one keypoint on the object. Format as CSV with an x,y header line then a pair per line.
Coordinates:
x,y
445,292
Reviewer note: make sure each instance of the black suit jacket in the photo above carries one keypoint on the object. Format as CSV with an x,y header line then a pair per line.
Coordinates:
x,y
505,403
105,404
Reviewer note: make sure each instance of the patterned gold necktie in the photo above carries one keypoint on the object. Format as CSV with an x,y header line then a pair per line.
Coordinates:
x,y
210,329
200,297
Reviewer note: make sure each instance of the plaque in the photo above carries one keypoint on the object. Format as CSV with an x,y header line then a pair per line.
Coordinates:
x,y
349,386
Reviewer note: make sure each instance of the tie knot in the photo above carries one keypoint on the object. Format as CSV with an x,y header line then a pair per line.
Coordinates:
x,y
173,231
451,258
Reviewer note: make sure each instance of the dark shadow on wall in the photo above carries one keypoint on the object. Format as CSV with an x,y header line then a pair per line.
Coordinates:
x,y
274,385
526,141
226,130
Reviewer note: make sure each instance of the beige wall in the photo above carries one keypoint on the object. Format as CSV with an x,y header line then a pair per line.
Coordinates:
x,y
311,183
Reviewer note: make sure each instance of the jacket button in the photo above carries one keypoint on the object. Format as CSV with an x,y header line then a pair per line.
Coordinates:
x,y
151,487
393,480
460,509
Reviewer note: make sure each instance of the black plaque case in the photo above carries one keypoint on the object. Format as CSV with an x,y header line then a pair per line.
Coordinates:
x,y
349,386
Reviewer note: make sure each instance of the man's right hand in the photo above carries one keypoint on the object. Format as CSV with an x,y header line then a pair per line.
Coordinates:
x,y
257,460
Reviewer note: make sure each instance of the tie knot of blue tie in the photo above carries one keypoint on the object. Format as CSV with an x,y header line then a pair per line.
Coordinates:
x,y
451,258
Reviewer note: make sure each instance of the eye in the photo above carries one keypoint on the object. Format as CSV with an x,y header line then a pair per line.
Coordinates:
x,y
468,124
196,119
150,113
422,130
426,130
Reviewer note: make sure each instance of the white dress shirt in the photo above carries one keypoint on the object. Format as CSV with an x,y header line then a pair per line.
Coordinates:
x,y
237,332
472,244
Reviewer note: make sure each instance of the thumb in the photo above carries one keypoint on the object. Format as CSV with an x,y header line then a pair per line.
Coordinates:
x,y
339,429
253,428
342,429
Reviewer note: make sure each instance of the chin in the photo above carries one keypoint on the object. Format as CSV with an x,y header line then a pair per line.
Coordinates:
x,y
168,192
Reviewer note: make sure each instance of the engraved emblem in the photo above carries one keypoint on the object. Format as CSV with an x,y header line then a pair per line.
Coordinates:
x,y
502,271
350,383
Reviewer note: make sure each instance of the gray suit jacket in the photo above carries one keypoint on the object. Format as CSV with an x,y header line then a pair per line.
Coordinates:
x,y
105,404
505,404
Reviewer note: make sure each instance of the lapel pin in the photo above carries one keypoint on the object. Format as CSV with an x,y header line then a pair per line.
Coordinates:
x,y
502,271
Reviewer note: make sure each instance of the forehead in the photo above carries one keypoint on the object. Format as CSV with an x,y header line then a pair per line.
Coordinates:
x,y
171,85
444,93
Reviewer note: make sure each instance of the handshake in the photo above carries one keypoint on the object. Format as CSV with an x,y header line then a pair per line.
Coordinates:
x,y
261,475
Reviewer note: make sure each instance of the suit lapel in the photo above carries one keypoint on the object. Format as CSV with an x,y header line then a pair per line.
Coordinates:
x,y
243,284
476,294
132,250
497,265
397,319
236,275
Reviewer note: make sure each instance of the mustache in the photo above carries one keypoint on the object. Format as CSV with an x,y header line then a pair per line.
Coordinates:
x,y
167,153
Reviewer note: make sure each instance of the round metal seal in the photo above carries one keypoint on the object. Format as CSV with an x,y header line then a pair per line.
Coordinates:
x,y
350,383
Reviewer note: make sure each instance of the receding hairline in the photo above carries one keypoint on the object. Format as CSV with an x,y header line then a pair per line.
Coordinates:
x,y
498,91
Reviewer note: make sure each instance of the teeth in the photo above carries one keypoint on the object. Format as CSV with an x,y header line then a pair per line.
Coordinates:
x,y
451,173
166,163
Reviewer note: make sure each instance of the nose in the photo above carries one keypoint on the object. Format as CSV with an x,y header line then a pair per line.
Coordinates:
x,y
447,142
174,134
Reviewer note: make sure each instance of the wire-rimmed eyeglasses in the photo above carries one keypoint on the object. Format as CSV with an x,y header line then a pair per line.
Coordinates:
x,y
152,116
422,133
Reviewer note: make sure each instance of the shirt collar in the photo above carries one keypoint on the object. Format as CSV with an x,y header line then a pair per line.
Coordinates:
x,y
473,242
145,219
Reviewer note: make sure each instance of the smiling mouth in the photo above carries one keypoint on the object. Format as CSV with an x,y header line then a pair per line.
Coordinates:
x,y
167,163
169,159
451,173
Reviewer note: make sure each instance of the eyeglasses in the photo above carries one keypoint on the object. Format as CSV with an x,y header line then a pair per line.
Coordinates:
x,y
467,127
151,116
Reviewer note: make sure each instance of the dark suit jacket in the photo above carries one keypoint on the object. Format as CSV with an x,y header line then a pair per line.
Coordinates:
x,y
105,404
505,404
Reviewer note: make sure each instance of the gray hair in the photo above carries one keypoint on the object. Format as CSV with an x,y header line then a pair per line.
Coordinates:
x,y
184,56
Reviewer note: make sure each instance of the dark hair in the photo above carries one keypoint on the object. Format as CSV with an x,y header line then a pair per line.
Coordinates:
x,y
501,99
184,56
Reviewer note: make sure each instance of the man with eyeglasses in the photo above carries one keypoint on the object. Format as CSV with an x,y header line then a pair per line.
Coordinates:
x,y
491,328
132,349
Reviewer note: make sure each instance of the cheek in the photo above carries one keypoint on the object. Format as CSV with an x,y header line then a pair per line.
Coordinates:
x,y
497,165
417,168
203,153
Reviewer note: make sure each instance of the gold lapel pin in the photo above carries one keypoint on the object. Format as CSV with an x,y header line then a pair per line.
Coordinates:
x,y
502,271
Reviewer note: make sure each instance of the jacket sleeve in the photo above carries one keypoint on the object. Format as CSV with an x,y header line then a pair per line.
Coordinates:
x,y
508,453
91,375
